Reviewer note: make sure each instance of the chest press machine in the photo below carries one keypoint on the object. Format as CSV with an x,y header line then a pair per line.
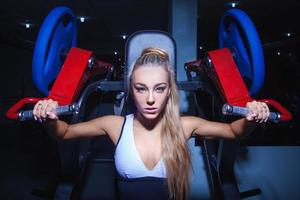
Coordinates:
x,y
70,89
239,60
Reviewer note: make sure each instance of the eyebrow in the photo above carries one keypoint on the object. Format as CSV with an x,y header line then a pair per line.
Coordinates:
x,y
158,84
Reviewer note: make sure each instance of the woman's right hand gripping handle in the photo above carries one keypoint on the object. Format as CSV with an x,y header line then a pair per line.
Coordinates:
x,y
44,110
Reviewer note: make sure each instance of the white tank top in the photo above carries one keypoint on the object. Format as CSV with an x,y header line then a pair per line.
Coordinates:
x,y
127,159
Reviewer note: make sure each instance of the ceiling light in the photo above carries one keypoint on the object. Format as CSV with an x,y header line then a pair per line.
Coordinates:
x,y
83,19
233,4
27,24
289,34
116,53
278,53
124,36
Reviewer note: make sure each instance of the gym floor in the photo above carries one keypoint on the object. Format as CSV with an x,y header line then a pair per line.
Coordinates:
x,y
28,169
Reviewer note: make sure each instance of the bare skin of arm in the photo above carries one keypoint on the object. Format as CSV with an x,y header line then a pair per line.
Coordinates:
x,y
209,129
110,124
237,129
107,125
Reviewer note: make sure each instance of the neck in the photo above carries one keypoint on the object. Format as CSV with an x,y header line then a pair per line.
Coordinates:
x,y
149,124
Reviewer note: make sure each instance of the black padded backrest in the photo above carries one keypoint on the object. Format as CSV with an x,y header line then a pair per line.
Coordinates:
x,y
140,40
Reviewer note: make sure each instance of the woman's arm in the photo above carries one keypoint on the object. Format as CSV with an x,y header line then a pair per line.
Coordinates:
x,y
96,127
237,129
43,111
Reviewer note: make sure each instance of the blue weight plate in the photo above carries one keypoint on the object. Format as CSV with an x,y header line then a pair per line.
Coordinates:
x,y
237,32
57,35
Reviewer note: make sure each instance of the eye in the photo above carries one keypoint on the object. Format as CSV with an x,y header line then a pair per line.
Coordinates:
x,y
160,89
140,89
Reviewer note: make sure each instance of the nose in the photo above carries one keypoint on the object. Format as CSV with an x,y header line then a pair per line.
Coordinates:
x,y
150,99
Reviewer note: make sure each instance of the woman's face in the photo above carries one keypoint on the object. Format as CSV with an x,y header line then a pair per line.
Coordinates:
x,y
150,89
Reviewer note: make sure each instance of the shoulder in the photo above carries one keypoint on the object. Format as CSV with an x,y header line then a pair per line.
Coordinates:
x,y
192,124
109,120
190,121
188,125
113,118
111,124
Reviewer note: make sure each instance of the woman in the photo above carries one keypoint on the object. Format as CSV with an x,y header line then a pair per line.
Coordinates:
x,y
156,122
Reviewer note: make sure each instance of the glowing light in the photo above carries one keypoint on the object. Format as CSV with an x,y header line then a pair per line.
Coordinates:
x,y
289,34
82,19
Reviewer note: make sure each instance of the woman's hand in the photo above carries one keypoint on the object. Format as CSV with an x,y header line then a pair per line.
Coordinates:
x,y
45,109
259,111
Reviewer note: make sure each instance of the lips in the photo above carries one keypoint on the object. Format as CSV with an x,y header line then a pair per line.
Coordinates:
x,y
150,110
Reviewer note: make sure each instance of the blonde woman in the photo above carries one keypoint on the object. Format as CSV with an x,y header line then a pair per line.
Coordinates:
x,y
151,143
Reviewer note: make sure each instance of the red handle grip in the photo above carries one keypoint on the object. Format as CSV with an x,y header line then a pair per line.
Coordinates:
x,y
285,115
13,112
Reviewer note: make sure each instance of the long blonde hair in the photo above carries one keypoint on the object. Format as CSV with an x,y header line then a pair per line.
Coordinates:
x,y
175,151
